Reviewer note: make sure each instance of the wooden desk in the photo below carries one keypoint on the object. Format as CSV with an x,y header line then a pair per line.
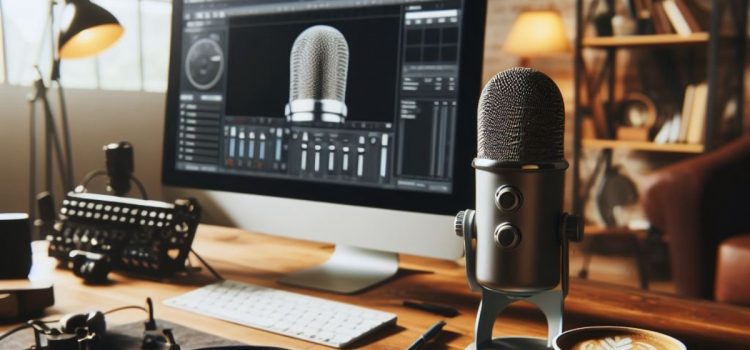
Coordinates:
x,y
262,259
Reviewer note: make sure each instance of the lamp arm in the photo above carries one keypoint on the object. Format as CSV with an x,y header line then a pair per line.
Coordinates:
x,y
67,173
66,136
53,137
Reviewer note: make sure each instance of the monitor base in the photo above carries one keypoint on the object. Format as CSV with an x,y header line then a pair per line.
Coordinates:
x,y
349,270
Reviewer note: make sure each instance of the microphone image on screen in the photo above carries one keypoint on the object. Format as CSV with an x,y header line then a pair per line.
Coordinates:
x,y
319,63
521,232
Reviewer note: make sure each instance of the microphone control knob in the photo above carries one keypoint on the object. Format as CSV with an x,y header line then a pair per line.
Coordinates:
x,y
572,227
508,198
458,223
507,235
463,224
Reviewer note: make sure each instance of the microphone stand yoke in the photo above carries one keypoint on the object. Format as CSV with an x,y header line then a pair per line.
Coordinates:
x,y
550,302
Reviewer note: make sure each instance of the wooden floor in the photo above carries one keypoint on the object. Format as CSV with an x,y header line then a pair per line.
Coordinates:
x,y
619,270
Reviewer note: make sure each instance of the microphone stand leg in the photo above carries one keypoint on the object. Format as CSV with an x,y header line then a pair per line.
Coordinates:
x,y
551,304
493,304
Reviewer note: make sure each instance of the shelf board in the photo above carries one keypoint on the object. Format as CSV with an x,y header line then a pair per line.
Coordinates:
x,y
646,40
591,230
643,146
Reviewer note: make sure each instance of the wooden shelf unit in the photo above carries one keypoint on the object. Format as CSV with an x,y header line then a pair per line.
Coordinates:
x,y
633,41
602,81
643,146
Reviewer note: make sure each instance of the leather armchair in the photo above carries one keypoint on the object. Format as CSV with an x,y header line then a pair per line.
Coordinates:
x,y
696,204
733,271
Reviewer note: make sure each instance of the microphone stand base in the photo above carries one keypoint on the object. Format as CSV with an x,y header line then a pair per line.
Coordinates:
x,y
513,343
550,302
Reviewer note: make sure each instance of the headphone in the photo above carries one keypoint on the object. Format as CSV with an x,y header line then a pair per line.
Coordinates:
x,y
86,331
76,332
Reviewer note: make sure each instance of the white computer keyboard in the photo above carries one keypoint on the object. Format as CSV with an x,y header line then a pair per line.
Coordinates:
x,y
308,318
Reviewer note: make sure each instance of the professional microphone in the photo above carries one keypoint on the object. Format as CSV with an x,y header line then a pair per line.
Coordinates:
x,y
319,64
520,230
520,174
119,159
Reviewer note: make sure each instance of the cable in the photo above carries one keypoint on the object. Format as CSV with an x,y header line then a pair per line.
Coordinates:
x,y
96,173
129,307
90,176
14,330
216,275
20,328
140,187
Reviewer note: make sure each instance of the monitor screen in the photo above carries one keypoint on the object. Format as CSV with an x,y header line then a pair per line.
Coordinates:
x,y
364,102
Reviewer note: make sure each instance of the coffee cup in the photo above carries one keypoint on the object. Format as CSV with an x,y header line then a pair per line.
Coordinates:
x,y
612,337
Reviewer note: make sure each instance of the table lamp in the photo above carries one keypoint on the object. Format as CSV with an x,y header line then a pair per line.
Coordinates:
x,y
86,29
536,33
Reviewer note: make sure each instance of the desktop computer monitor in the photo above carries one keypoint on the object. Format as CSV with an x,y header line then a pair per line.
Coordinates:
x,y
342,121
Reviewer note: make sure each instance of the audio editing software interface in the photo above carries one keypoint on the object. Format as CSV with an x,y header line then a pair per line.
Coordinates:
x,y
394,123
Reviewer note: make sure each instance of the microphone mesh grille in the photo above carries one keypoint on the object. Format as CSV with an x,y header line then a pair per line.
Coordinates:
x,y
319,64
521,118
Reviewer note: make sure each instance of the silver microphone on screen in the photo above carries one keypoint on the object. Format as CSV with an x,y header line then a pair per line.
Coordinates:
x,y
319,64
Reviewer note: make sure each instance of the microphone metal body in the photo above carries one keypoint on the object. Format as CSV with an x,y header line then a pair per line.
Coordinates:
x,y
319,65
520,174
520,230
532,264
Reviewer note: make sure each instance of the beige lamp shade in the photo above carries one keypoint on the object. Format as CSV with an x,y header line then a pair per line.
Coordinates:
x,y
537,33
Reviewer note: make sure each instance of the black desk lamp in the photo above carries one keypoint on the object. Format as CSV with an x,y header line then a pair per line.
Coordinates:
x,y
86,29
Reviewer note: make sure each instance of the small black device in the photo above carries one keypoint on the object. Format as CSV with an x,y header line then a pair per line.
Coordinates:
x,y
441,310
119,171
119,159
98,233
15,245
46,214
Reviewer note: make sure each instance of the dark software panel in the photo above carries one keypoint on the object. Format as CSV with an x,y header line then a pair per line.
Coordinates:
x,y
401,93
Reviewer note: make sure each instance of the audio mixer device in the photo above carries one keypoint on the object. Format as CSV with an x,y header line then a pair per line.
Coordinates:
x,y
98,233
341,92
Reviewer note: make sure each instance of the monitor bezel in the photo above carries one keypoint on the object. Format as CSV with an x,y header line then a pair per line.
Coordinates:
x,y
462,196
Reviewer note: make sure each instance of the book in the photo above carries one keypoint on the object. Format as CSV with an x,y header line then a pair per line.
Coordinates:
x,y
696,129
661,22
689,17
687,108
674,128
675,17
663,135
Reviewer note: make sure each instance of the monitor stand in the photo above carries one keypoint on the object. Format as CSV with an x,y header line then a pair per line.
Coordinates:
x,y
349,270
